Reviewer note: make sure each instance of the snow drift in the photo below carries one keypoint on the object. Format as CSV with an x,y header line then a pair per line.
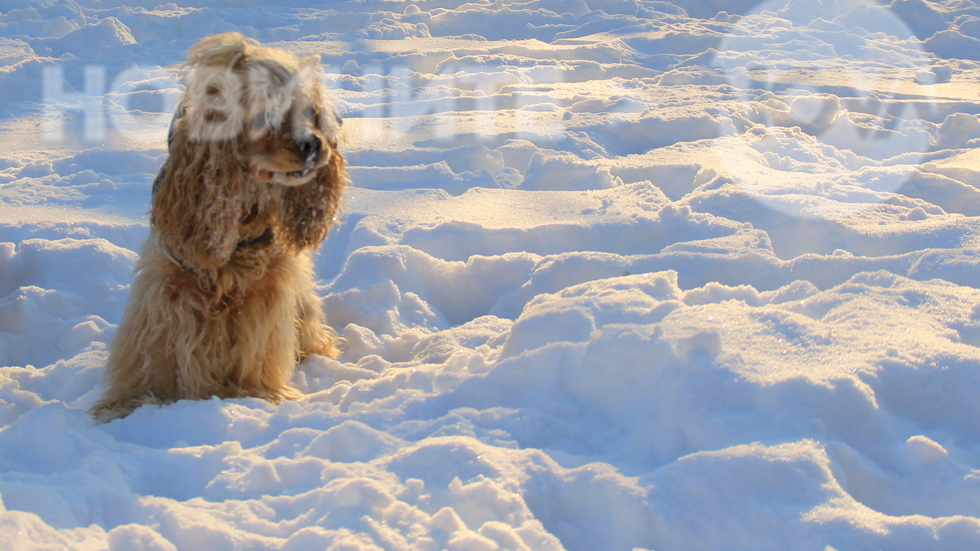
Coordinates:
x,y
612,276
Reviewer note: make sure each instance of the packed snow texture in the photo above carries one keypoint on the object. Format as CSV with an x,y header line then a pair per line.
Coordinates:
x,y
658,275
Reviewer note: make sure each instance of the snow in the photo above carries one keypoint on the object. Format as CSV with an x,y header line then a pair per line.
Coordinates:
x,y
611,275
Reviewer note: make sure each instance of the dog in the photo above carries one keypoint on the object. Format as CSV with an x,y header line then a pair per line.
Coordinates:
x,y
223,303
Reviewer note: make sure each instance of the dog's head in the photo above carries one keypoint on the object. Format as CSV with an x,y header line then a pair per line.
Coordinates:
x,y
268,100
254,141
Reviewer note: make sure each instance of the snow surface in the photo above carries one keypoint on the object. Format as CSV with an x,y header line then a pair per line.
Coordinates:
x,y
685,275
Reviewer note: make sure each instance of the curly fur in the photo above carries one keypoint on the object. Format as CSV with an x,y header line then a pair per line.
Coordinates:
x,y
224,303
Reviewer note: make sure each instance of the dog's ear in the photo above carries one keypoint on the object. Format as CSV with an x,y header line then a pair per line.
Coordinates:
x,y
197,203
308,210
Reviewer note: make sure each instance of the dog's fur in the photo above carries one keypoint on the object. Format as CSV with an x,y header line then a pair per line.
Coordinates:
x,y
223,303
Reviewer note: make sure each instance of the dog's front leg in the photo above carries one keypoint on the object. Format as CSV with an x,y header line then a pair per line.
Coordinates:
x,y
141,365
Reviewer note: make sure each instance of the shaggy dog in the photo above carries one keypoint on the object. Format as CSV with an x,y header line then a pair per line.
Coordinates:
x,y
223,303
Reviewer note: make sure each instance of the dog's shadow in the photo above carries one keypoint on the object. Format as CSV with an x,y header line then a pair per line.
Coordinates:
x,y
329,259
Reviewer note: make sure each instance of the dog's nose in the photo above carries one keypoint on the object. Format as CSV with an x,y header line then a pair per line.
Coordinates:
x,y
309,146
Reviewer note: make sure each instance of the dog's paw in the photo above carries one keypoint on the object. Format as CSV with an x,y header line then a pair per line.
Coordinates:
x,y
283,394
324,343
110,409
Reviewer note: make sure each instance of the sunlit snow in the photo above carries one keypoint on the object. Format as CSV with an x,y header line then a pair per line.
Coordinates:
x,y
644,275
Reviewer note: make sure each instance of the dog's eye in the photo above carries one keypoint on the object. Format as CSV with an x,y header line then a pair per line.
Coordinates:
x,y
212,90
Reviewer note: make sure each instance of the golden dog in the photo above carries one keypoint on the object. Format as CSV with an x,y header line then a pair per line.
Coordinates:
x,y
224,303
